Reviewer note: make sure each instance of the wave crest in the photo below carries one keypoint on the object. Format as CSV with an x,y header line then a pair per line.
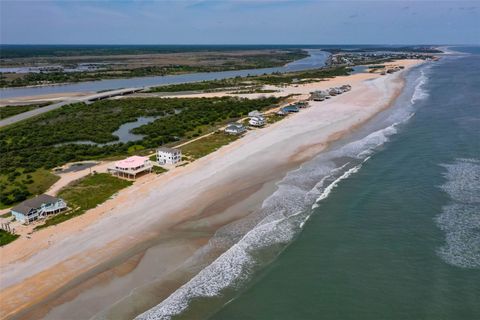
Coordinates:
x,y
420,93
281,218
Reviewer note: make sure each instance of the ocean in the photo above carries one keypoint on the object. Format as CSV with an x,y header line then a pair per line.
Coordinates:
x,y
383,225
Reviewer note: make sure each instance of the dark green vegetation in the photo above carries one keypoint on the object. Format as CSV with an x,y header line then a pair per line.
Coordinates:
x,y
28,51
40,142
39,78
198,86
85,194
9,111
33,78
274,79
412,49
132,65
17,185
206,145
302,77
6,237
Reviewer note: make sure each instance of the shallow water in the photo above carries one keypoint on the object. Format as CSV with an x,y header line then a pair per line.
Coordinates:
x,y
384,225
123,133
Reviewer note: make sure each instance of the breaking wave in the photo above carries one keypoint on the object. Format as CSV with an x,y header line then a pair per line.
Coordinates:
x,y
420,93
257,240
460,219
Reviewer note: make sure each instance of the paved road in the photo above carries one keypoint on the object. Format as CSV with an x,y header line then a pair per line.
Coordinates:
x,y
38,111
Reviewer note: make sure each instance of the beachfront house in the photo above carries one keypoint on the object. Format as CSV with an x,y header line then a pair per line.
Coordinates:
x,y
318,95
37,208
255,113
257,121
130,167
291,108
333,92
168,155
235,128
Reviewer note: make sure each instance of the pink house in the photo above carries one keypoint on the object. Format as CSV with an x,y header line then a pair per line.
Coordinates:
x,y
130,167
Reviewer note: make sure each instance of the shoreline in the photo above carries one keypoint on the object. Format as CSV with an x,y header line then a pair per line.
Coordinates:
x,y
194,215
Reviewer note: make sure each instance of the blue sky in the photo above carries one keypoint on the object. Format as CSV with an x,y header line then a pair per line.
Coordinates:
x,y
239,22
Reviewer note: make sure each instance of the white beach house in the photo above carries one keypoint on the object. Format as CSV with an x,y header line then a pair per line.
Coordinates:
x,y
235,128
37,208
257,121
131,167
168,155
255,113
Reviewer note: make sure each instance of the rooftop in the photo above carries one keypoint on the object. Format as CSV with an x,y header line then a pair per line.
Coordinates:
x,y
34,203
234,127
131,162
235,124
168,150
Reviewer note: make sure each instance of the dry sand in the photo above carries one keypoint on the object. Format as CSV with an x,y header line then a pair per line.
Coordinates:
x,y
68,265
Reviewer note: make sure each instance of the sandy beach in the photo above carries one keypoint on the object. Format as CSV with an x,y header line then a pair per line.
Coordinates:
x,y
153,231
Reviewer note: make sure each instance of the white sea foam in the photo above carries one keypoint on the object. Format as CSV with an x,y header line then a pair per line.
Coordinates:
x,y
420,93
460,219
281,217
284,214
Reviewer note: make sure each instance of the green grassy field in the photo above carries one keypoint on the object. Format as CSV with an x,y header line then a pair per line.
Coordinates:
x,y
159,170
209,144
86,194
6,237
19,185
272,118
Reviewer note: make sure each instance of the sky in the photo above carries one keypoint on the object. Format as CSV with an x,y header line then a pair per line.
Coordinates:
x,y
239,22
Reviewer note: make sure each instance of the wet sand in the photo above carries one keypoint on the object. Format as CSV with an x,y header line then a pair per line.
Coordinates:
x,y
102,256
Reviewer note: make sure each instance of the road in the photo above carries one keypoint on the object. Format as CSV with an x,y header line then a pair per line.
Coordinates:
x,y
93,97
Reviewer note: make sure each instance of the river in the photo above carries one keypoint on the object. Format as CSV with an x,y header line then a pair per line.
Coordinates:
x,y
317,59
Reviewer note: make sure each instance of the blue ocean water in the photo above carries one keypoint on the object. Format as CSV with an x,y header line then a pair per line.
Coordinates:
x,y
384,225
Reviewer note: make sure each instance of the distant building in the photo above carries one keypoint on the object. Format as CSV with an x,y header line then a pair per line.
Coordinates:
x,y
37,208
257,121
255,113
289,109
318,95
235,128
333,92
131,167
168,155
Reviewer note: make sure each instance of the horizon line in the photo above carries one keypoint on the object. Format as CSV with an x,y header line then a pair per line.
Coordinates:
x,y
236,44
